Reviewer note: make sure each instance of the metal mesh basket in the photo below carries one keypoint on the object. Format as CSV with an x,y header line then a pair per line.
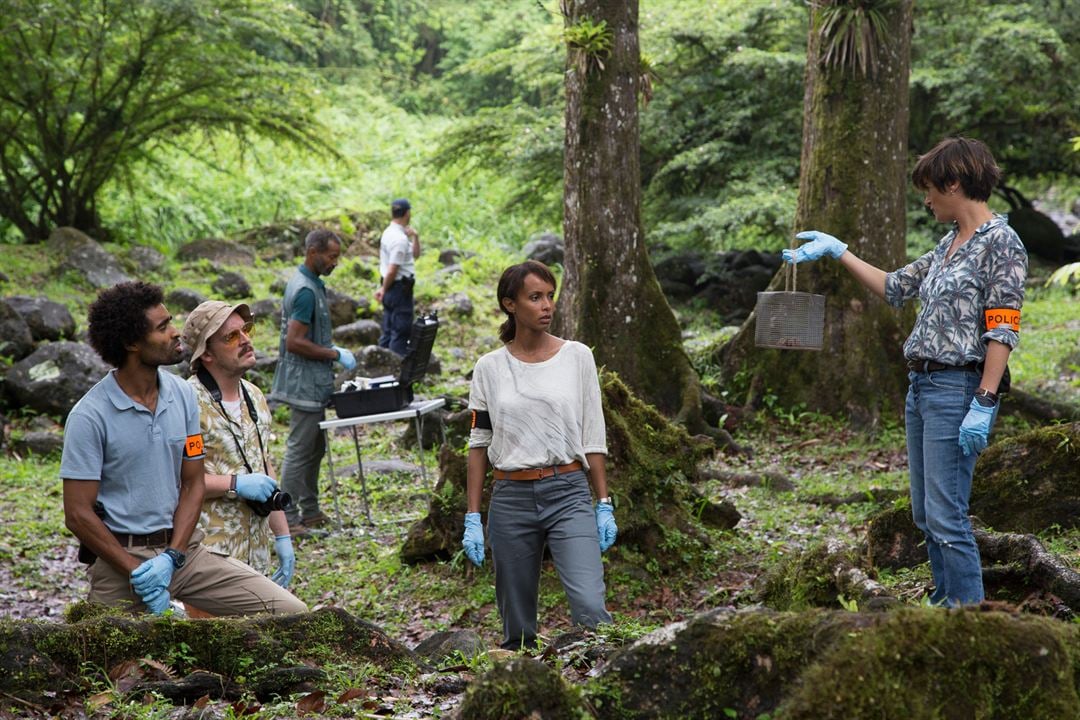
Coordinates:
x,y
790,320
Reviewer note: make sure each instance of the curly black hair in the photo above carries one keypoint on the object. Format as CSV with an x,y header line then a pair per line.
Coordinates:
x,y
118,318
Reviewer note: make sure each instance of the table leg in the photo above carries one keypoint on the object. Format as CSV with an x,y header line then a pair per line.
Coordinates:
x,y
333,478
363,480
420,446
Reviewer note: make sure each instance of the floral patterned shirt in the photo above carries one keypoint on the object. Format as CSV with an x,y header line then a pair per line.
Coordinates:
x,y
973,297
231,527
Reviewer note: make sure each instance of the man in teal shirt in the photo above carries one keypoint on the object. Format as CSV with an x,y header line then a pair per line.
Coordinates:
x,y
304,378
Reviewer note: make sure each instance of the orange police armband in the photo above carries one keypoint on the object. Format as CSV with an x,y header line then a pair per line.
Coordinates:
x,y
193,446
1003,317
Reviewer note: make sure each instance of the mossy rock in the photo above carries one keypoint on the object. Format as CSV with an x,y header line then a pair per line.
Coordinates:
x,y
1030,482
934,664
714,663
893,541
820,577
911,664
522,688
38,656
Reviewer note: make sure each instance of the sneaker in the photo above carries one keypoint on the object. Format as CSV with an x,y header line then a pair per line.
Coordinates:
x,y
317,520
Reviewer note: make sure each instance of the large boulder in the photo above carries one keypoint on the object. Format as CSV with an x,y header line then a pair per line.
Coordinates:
x,y
218,251
16,340
47,320
544,247
913,663
361,332
184,299
53,378
143,259
83,256
231,286
343,309
1030,482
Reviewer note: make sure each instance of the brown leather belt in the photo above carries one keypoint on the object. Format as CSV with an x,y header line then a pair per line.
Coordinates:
x,y
161,537
932,366
537,473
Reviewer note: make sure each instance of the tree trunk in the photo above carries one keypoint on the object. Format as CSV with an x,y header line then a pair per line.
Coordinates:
x,y
610,298
852,185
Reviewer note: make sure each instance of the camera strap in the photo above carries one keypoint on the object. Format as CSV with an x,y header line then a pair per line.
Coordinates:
x,y
211,386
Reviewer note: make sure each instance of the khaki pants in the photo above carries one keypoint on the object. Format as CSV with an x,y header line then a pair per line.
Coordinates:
x,y
218,584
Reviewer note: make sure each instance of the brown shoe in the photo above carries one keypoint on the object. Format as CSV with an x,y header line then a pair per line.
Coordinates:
x,y
316,520
299,530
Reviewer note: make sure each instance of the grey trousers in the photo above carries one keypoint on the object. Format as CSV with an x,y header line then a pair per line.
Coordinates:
x,y
218,584
522,518
304,452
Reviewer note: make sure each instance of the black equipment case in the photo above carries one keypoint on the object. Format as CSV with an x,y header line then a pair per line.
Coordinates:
x,y
392,393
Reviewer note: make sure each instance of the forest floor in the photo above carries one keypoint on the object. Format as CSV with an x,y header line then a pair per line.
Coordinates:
x,y
836,478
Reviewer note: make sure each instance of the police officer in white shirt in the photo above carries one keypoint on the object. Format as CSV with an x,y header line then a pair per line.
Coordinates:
x,y
398,248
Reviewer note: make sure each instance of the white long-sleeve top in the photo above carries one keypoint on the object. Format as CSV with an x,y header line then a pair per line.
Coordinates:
x,y
542,414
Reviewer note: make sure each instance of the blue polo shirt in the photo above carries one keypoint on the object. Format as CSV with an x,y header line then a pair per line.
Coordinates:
x,y
134,454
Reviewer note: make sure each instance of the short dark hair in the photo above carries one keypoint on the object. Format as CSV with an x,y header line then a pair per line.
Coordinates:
x,y
510,284
958,159
117,318
318,240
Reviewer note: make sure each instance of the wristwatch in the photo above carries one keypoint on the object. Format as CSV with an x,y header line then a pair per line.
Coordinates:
x,y
986,398
604,501
178,558
231,492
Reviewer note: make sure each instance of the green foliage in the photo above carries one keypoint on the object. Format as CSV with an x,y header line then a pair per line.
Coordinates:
x,y
995,71
853,33
1066,276
89,89
589,43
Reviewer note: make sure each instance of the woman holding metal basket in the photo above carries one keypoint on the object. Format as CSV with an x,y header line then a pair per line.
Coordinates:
x,y
971,286
538,419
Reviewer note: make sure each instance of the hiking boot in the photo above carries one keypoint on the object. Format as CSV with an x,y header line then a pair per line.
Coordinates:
x,y
299,530
317,520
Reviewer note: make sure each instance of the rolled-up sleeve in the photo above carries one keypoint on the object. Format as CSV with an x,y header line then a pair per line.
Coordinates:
x,y
903,284
1005,288
593,429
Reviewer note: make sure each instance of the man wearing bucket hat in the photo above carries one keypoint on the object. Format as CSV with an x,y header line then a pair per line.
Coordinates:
x,y
399,247
972,288
241,512
133,473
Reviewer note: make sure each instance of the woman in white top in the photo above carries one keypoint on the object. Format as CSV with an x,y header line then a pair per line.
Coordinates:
x,y
538,419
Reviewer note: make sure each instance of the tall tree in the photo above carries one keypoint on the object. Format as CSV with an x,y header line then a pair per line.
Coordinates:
x,y
610,298
853,180
90,87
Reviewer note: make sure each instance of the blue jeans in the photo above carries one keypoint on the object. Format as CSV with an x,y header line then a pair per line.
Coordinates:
x,y
941,481
397,317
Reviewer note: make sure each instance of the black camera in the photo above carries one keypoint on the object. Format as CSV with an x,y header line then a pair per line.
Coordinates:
x,y
278,500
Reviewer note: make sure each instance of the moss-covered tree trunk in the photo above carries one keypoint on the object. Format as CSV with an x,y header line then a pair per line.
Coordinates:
x,y
610,298
852,185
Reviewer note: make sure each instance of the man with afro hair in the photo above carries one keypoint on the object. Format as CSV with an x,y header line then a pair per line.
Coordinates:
x,y
133,473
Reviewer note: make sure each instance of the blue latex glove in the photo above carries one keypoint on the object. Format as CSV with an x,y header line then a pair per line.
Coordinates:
x,y
155,573
819,246
287,558
345,357
473,540
976,428
255,486
606,528
157,600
